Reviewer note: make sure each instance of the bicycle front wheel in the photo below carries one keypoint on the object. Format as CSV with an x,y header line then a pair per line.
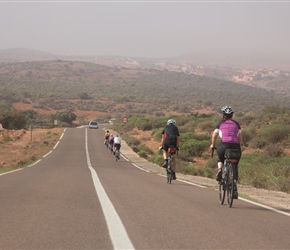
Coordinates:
x,y
230,186
222,192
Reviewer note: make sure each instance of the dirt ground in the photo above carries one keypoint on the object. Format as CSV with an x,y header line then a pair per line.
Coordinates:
x,y
22,147
19,147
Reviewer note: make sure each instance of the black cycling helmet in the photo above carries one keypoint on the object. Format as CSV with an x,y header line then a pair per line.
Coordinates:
x,y
227,111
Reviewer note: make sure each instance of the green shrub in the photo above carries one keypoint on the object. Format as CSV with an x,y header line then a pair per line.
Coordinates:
x,y
274,150
143,124
142,154
189,169
133,141
194,147
157,159
248,135
157,134
6,138
270,134
143,147
264,171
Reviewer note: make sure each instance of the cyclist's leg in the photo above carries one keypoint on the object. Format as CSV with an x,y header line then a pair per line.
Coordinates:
x,y
165,155
221,158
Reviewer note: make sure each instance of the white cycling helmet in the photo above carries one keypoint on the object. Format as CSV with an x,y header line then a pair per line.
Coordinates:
x,y
171,122
227,110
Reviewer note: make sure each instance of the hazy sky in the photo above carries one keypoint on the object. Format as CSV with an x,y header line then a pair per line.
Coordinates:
x,y
147,28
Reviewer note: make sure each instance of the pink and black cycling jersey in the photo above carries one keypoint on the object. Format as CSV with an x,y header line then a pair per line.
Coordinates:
x,y
228,131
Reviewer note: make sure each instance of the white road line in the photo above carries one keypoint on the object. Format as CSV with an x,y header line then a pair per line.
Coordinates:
x,y
124,157
56,145
34,163
11,171
264,206
117,231
140,168
191,183
47,154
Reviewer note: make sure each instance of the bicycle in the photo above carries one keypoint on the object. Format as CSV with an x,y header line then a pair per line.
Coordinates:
x,y
106,143
169,169
227,185
111,148
117,154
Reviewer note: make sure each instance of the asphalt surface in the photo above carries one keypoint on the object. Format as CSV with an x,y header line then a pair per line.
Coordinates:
x,y
79,197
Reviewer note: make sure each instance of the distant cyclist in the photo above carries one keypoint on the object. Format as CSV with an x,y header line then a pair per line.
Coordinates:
x,y
230,133
117,144
107,134
170,138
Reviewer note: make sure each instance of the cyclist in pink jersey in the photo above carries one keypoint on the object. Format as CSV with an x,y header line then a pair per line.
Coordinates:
x,y
230,133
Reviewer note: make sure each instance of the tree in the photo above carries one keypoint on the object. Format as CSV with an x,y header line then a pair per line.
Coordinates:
x,y
65,116
12,119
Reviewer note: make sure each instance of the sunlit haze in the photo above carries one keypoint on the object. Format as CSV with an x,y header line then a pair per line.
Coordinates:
x,y
153,29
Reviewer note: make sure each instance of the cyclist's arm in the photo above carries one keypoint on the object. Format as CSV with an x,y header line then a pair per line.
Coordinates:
x,y
213,139
240,137
162,141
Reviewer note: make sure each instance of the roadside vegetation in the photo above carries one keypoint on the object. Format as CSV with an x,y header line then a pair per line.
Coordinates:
x,y
265,162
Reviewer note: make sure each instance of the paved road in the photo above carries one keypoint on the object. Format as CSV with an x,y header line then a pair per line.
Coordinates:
x,y
79,197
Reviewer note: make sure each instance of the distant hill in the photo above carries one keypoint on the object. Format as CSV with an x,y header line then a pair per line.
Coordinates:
x,y
76,85
24,55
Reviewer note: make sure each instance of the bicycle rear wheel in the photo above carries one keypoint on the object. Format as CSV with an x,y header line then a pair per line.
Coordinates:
x,y
169,176
169,171
230,186
117,155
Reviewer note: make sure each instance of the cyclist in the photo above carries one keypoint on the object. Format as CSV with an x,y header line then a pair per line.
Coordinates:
x,y
230,133
170,135
111,141
107,134
117,144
